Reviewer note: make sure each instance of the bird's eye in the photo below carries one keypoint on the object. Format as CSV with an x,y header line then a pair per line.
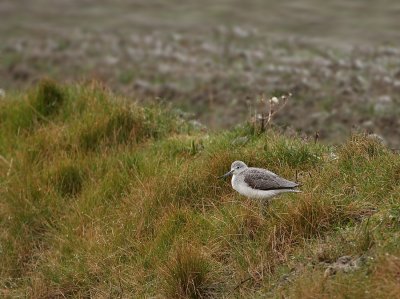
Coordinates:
x,y
237,167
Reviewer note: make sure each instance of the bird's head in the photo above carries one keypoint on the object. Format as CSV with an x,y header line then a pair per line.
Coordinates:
x,y
236,168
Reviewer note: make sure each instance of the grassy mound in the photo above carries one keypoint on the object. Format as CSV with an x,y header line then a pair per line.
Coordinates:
x,y
102,198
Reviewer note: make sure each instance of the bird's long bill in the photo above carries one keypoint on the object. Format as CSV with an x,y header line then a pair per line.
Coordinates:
x,y
226,174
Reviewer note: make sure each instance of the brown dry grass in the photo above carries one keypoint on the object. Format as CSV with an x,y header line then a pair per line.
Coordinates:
x,y
146,216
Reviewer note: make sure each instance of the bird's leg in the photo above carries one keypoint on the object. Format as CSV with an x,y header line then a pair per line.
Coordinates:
x,y
264,207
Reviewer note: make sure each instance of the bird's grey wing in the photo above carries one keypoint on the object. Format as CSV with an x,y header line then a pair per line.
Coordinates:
x,y
262,179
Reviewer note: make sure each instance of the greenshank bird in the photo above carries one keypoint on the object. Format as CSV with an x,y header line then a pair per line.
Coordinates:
x,y
258,183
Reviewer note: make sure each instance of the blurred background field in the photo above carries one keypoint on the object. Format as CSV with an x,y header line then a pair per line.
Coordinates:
x,y
341,60
214,59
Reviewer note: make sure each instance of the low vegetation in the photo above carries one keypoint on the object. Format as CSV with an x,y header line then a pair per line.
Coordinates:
x,y
101,197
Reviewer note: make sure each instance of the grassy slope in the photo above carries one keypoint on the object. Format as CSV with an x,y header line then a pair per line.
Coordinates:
x,y
103,198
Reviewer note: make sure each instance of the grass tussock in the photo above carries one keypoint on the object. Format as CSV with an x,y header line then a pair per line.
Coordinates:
x,y
49,98
68,180
101,197
189,275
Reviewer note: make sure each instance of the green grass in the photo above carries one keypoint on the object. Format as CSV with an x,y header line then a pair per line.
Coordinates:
x,y
100,197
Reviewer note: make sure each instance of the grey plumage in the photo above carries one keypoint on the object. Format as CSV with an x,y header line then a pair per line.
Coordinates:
x,y
261,179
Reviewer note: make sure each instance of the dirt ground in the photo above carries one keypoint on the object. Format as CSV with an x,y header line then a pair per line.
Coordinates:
x,y
215,59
